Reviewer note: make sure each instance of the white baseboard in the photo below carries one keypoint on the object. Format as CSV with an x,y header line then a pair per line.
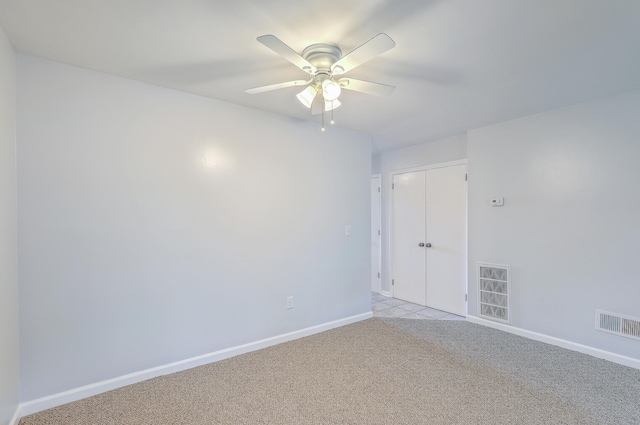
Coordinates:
x,y
37,405
16,417
573,346
386,293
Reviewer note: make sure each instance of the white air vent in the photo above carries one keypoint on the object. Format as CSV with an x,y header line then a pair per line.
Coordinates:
x,y
618,324
494,288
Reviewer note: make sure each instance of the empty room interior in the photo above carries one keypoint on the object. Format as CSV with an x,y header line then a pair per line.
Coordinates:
x,y
240,211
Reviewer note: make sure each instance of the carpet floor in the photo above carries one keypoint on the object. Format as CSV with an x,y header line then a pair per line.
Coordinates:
x,y
378,371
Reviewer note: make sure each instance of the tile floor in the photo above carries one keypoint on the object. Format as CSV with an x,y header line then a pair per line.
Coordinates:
x,y
392,307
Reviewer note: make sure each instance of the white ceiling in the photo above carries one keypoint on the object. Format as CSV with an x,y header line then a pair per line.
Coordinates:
x,y
457,65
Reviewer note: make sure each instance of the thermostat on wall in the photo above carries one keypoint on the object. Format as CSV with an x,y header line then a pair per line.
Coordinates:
x,y
497,202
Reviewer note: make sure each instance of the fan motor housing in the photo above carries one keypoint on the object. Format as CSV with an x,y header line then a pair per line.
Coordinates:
x,y
322,56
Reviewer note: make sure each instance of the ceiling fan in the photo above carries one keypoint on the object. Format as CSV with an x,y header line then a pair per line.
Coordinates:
x,y
325,65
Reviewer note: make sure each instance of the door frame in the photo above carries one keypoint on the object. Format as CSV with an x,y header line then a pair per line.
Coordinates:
x,y
378,285
389,222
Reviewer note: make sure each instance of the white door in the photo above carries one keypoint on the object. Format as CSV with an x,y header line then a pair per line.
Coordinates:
x,y
429,238
408,228
376,242
446,218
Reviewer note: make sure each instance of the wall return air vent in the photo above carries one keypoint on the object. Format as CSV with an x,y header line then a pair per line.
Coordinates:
x,y
618,324
494,289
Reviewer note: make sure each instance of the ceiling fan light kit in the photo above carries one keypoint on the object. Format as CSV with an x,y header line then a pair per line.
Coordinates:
x,y
330,90
330,105
307,95
325,63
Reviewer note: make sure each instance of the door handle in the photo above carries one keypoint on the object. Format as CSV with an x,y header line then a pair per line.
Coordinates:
x,y
428,245
420,244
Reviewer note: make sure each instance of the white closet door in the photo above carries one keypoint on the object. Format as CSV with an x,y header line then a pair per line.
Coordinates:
x,y
408,258
446,231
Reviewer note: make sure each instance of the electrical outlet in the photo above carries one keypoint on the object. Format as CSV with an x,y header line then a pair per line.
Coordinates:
x,y
289,302
347,231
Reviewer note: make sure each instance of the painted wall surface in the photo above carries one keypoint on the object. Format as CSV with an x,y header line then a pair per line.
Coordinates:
x,y
155,226
9,378
569,227
445,150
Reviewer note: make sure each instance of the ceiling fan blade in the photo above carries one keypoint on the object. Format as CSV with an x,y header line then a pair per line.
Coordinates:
x,y
275,44
317,106
263,89
367,87
364,53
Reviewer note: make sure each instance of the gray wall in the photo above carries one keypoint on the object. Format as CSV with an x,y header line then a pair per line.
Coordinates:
x,y
155,226
9,383
569,227
445,150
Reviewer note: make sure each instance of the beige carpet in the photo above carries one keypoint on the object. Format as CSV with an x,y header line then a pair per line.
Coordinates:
x,y
370,372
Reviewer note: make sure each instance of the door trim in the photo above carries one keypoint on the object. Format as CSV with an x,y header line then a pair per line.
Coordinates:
x,y
379,253
389,221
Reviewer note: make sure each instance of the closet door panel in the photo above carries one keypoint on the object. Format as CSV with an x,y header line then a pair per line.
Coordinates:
x,y
446,231
408,230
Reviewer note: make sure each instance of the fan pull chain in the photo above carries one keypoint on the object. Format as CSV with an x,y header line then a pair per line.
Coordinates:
x,y
323,108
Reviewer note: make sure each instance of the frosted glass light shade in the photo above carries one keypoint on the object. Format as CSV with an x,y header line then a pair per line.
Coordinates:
x,y
307,95
330,105
330,90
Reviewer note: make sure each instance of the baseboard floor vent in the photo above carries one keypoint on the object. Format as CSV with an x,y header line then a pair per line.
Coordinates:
x,y
618,324
494,289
